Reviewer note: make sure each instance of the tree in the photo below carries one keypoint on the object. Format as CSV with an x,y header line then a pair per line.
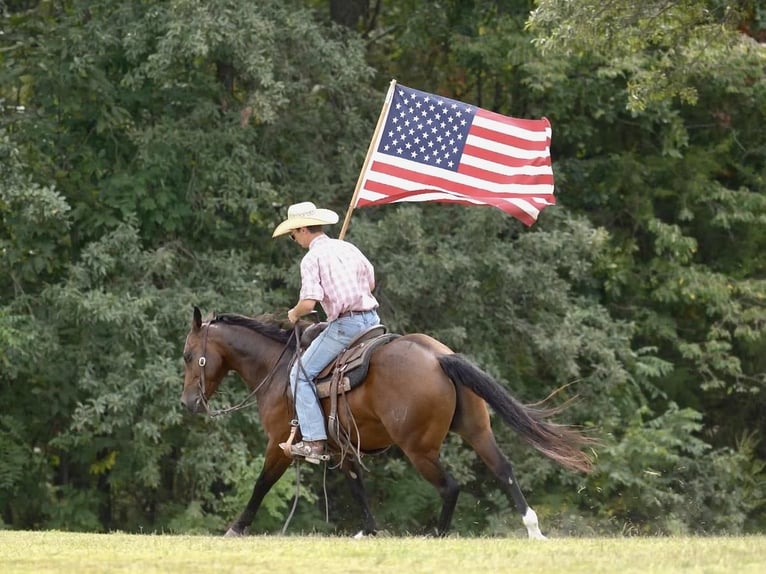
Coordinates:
x,y
149,148
661,47
661,176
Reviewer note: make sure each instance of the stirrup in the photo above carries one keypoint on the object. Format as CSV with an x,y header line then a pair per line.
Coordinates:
x,y
309,454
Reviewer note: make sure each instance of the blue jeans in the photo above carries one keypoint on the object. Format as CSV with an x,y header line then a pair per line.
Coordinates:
x,y
320,353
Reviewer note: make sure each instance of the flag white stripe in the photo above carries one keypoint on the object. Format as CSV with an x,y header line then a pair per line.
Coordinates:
x,y
505,149
515,131
459,178
487,165
425,196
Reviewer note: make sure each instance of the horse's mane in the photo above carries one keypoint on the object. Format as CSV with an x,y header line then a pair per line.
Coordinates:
x,y
266,325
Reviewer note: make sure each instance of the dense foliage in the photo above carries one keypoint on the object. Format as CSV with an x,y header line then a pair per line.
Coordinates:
x,y
147,150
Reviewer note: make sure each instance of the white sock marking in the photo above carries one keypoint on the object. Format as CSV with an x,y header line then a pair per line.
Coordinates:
x,y
533,528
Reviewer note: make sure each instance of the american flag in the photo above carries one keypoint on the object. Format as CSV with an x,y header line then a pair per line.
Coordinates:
x,y
432,148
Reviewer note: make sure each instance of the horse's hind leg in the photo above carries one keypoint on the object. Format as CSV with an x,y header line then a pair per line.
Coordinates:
x,y
428,465
274,466
353,471
483,442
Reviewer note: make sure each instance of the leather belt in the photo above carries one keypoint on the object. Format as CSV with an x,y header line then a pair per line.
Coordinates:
x,y
352,313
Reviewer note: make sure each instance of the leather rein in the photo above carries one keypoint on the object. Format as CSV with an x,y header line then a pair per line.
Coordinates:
x,y
250,399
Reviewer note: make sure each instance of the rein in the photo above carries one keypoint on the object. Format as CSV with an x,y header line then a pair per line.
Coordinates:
x,y
250,399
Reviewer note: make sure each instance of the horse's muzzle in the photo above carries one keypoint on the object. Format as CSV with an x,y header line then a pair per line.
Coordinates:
x,y
193,403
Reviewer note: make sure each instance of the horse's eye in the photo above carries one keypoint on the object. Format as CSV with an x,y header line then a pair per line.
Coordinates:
x,y
187,357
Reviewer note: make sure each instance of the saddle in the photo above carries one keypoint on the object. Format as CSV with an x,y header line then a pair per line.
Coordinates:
x,y
351,366
346,372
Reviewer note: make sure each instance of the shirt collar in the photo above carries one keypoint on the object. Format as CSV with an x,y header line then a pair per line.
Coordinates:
x,y
317,240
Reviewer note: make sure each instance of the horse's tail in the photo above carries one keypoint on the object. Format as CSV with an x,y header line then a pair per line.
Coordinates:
x,y
561,443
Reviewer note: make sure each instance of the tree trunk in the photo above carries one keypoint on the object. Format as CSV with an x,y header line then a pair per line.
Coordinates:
x,y
348,12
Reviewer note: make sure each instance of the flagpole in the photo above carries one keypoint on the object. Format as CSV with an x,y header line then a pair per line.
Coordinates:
x,y
383,114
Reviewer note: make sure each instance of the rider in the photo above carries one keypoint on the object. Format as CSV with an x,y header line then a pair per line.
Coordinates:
x,y
336,274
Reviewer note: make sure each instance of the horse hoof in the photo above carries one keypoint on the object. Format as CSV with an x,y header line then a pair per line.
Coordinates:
x,y
365,534
231,533
533,526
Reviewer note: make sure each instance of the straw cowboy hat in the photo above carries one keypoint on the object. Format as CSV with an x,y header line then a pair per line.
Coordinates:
x,y
305,214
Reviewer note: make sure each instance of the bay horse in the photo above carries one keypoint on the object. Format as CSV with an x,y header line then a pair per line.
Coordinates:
x,y
415,392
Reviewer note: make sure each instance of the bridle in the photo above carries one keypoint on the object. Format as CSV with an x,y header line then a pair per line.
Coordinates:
x,y
202,361
250,399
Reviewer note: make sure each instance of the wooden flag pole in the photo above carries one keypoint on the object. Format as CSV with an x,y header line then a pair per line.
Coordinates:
x,y
373,141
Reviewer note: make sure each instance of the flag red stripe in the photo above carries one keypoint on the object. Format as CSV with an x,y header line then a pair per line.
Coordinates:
x,y
394,195
508,139
503,159
396,192
494,177
526,124
428,180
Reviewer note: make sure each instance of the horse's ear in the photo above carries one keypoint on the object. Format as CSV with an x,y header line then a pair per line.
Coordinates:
x,y
196,319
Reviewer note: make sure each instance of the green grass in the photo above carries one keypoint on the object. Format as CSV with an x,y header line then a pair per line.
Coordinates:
x,y
40,552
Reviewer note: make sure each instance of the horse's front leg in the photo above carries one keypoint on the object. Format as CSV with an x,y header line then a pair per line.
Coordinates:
x,y
353,471
274,466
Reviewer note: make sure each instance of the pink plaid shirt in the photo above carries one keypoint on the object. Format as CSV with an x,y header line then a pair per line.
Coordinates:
x,y
338,275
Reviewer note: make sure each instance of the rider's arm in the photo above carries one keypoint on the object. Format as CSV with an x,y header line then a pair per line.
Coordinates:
x,y
302,307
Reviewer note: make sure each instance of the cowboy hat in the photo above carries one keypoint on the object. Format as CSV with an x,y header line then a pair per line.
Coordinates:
x,y
305,214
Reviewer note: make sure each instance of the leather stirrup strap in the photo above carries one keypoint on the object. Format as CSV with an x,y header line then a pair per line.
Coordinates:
x,y
285,446
333,424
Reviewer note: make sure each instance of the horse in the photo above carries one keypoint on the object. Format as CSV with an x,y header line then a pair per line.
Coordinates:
x,y
416,391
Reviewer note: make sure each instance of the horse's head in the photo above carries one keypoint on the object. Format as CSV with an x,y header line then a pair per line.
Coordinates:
x,y
204,364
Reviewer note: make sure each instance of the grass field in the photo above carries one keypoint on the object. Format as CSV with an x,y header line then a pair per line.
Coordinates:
x,y
61,552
